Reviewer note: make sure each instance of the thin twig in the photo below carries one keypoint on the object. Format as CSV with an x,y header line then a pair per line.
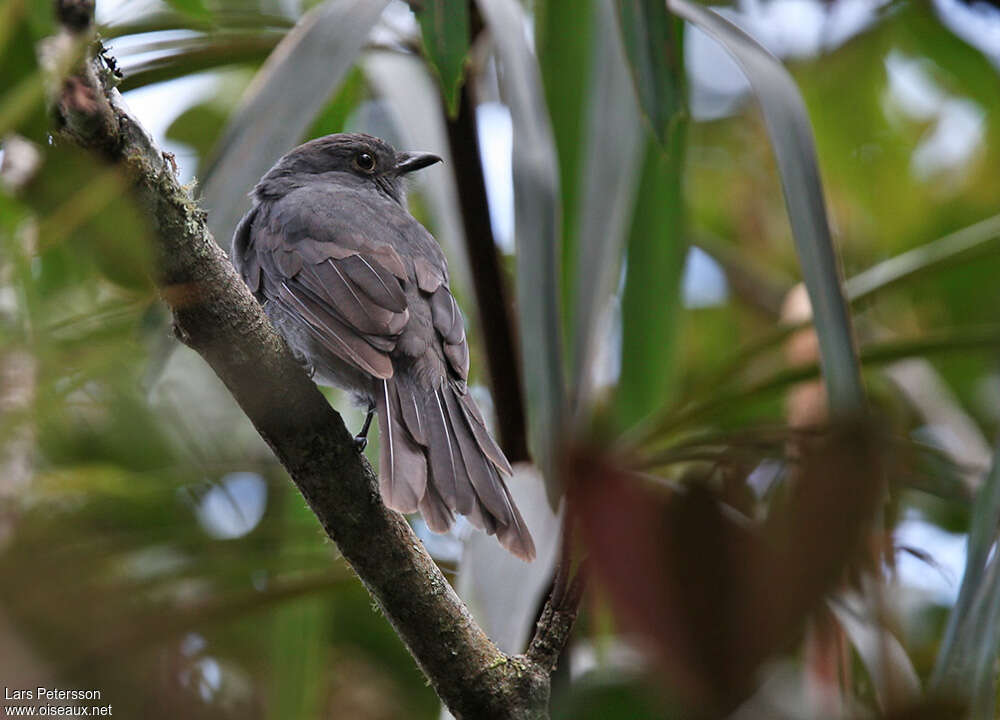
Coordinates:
x,y
555,625
495,317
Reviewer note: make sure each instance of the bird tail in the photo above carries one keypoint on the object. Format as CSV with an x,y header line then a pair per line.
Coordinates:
x,y
438,457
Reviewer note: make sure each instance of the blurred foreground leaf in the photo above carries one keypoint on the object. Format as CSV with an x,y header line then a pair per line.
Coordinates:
x,y
749,588
23,24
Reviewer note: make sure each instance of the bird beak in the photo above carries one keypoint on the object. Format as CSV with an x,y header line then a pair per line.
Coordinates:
x,y
409,161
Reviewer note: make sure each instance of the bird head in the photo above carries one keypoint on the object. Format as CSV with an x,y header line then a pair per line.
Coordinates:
x,y
359,157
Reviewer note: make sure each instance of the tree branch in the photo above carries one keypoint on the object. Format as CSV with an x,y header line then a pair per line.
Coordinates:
x,y
555,624
215,314
495,321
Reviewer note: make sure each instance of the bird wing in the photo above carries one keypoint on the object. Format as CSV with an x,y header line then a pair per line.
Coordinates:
x,y
346,290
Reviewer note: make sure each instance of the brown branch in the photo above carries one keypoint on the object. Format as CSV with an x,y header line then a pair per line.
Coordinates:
x,y
215,314
555,624
495,322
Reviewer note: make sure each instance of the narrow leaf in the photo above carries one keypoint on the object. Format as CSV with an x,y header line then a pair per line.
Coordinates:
x,y
729,399
652,44
965,664
962,245
795,150
292,87
537,220
186,57
613,150
982,640
564,36
970,638
156,22
444,25
299,639
192,8
651,299
333,118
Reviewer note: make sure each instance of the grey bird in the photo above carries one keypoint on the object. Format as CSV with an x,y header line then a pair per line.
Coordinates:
x,y
359,289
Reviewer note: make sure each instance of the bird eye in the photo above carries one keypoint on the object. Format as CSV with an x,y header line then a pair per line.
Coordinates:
x,y
365,162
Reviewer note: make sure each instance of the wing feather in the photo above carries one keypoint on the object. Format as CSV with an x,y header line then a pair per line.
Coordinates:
x,y
339,339
389,259
289,262
458,358
447,317
429,278
314,252
380,285
339,294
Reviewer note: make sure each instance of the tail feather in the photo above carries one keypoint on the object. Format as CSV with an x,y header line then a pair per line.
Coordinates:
x,y
482,519
481,473
467,503
447,469
494,510
515,535
402,465
411,405
438,457
483,439
436,513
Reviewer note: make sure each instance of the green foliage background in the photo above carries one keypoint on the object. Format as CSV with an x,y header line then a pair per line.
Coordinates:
x,y
111,581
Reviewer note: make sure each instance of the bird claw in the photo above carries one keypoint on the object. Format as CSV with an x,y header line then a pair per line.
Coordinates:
x,y
361,439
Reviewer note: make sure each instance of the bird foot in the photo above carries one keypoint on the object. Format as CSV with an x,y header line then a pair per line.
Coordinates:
x,y
361,439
